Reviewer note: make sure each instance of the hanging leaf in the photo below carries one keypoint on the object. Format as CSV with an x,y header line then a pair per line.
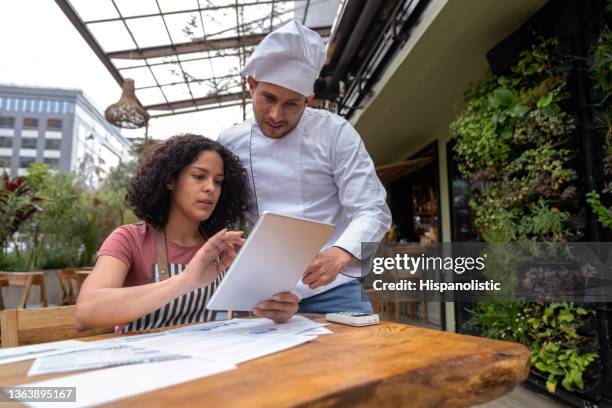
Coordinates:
x,y
551,110
503,97
518,111
545,100
551,386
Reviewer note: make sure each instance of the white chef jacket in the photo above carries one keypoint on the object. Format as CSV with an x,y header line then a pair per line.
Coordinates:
x,y
320,170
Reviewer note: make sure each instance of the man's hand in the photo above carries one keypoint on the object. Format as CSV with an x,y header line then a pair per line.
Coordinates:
x,y
326,266
280,308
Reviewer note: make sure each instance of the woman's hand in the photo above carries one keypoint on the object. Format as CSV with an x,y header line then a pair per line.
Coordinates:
x,y
280,308
203,268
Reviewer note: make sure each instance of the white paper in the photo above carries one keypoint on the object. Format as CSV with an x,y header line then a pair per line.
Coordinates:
x,y
21,353
317,331
228,342
111,384
295,325
234,341
206,349
126,339
241,355
97,357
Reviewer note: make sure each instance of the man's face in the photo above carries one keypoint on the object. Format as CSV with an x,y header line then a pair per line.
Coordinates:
x,y
277,109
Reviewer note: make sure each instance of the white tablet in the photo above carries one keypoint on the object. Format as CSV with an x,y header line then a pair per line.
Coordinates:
x,y
272,260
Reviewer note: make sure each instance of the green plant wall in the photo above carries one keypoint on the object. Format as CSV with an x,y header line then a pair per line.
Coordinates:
x,y
514,145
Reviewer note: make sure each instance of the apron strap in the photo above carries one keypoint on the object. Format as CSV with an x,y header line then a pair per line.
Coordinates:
x,y
162,255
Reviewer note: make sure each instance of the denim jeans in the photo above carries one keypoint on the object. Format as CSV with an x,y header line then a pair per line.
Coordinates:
x,y
344,298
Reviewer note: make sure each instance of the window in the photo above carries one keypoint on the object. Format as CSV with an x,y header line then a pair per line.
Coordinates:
x,y
30,123
28,143
5,161
52,161
53,144
6,141
463,227
7,122
54,124
24,162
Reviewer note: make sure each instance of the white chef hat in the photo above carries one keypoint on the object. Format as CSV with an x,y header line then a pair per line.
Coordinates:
x,y
291,56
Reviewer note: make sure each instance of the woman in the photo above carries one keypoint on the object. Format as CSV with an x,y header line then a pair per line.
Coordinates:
x,y
163,270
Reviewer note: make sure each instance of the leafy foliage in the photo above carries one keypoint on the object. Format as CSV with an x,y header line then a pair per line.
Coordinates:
x,y
512,146
604,214
17,204
75,221
510,139
601,72
601,65
552,333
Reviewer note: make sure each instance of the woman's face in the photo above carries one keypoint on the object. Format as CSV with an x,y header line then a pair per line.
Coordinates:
x,y
198,186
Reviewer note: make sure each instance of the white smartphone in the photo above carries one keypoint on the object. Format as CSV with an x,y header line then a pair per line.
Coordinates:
x,y
353,318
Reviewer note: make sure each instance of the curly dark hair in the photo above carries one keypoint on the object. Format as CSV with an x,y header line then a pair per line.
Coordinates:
x,y
149,198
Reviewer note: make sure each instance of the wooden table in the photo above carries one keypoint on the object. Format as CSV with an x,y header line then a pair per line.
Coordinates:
x,y
26,280
386,365
66,278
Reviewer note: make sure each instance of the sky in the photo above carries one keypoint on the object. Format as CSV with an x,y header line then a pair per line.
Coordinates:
x,y
40,47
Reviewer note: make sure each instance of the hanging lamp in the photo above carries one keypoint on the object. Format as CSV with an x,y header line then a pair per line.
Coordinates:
x,y
127,113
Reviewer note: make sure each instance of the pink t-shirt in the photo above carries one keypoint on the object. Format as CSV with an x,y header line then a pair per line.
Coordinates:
x,y
134,245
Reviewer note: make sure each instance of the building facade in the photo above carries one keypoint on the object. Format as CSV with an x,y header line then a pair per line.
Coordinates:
x,y
401,77
59,127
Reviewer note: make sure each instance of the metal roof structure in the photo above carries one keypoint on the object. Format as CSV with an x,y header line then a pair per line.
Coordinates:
x,y
186,55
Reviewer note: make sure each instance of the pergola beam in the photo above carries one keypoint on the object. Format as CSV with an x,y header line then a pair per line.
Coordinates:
x,y
89,38
187,103
196,109
193,10
199,46
154,64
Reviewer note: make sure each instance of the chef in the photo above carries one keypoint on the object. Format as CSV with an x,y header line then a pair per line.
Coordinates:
x,y
309,163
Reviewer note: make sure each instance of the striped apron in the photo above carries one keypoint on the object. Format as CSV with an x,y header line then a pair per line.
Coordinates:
x,y
189,308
